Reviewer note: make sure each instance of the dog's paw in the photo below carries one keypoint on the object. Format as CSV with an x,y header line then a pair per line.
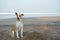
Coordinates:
x,y
21,36
18,37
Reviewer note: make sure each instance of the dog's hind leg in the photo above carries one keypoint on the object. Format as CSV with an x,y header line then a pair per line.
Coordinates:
x,y
12,34
21,31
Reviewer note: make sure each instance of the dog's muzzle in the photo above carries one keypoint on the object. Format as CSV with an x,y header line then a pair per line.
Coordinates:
x,y
18,18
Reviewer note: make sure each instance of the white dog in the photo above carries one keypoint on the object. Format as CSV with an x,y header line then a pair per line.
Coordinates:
x,y
18,26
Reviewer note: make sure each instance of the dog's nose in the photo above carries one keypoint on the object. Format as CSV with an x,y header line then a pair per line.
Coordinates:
x,y
18,18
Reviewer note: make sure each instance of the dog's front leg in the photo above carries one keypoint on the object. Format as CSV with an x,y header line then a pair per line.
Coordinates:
x,y
22,31
17,34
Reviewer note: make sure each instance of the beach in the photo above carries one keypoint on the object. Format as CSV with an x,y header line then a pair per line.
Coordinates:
x,y
35,28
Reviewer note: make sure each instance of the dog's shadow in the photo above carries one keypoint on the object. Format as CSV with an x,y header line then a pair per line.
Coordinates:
x,y
24,34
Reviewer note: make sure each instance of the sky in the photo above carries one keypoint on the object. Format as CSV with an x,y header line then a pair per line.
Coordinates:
x,y
30,6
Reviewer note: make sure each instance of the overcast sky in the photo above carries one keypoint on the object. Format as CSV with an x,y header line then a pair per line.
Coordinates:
x,y
30,6
42,7
12,15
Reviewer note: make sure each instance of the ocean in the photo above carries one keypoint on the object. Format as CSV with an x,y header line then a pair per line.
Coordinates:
x,y
26,15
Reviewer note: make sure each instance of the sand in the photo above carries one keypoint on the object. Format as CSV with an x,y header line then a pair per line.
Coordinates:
x,y
33,29
33,32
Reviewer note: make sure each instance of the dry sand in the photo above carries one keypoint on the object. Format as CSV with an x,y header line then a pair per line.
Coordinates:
x,y
34,29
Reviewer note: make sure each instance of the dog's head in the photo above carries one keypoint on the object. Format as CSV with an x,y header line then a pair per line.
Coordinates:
x,y
19,16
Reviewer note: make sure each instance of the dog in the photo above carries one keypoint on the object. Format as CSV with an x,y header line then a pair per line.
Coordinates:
x,y
18,26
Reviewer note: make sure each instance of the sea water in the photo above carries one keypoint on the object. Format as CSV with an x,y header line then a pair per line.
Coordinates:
x,y
27,15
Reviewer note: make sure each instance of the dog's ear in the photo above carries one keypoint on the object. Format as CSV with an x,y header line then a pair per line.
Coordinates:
x,y
16,13
22,14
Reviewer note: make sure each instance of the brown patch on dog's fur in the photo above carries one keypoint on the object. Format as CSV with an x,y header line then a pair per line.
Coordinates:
x,y
22,14
14,28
